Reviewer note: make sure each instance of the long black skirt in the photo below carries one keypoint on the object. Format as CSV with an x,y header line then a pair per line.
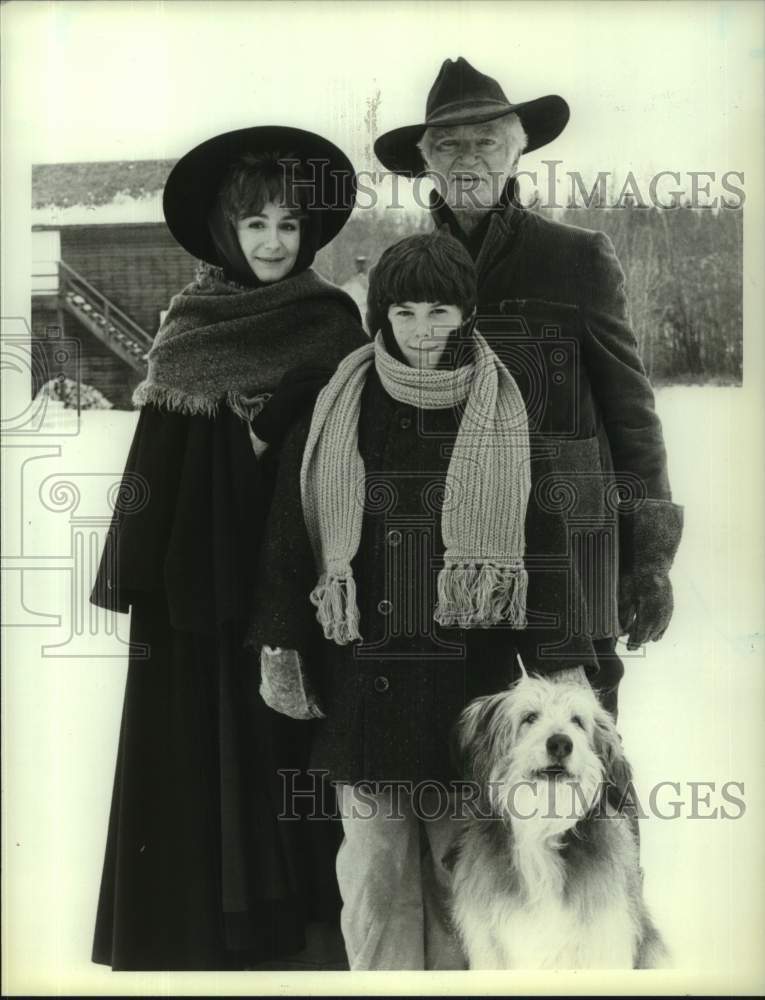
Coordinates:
x,y
200,871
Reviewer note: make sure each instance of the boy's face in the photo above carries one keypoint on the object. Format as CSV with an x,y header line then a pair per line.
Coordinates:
x,y
422,329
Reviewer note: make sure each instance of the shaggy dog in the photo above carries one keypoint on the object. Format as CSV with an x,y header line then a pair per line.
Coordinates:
x,y
547,877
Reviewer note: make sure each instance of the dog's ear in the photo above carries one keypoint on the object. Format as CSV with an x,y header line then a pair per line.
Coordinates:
x,y
474,736
524,673
617,774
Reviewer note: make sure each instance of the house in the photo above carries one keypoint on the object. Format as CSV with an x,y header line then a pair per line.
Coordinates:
x,y
104,269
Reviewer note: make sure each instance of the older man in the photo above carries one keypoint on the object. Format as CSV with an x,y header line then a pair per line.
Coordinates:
x,y
552,302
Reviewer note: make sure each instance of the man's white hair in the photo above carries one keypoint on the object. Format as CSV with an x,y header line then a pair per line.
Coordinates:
x,y
509,126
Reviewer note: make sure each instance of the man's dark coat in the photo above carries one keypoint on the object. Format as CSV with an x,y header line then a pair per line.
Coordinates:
x,y
544,284
552,304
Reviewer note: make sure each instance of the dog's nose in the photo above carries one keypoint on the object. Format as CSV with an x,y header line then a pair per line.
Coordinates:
x,y
559,746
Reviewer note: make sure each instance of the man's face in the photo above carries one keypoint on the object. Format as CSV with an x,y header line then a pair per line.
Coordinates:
x,y
470,163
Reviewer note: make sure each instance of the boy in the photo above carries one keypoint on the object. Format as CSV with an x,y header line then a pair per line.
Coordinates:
x,y
404,522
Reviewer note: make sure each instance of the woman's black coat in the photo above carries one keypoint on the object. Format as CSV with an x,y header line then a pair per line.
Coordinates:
x,y
198,872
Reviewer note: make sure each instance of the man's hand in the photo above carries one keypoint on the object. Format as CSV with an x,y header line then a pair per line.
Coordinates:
x,y
645,593
284,685
645,607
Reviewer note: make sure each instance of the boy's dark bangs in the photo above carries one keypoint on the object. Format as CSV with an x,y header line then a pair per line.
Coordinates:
x,y
427,267
420,282
422,278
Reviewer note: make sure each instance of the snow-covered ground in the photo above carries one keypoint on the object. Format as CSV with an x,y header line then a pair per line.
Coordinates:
x,y
691,711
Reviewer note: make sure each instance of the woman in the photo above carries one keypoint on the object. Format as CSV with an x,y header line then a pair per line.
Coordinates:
x,y
199,873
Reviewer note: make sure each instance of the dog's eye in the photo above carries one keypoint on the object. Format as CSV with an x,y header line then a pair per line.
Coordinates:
x,y
530,717
577,721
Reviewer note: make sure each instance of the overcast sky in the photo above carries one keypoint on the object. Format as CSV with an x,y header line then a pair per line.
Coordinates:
x,y
651,86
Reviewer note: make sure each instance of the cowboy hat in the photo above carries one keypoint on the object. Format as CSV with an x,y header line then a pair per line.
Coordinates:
x,y
195,180
463,96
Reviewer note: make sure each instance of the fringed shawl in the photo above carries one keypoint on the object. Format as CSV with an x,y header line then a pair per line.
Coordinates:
x,y
223,342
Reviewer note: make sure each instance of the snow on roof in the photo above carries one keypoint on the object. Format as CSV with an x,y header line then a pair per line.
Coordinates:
x,y
105,192
71,194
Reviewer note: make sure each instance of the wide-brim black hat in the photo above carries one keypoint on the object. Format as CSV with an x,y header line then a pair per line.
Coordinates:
x,y
463,96
195,180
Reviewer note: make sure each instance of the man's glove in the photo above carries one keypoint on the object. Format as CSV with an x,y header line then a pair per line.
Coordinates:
x,y
296,392
645,592
284,684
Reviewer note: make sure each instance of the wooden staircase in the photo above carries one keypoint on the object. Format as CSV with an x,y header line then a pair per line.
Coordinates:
x,y
114,328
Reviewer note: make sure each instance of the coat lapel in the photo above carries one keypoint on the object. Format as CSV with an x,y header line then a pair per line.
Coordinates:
x,y
503,242
500,241
493,244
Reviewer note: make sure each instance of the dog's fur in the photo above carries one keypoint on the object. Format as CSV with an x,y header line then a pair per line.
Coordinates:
x,y
561,889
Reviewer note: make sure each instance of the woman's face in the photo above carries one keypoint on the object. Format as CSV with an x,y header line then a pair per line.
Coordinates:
x,y
270,241
422,330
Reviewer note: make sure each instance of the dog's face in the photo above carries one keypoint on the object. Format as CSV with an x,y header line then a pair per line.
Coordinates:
x,y
541,750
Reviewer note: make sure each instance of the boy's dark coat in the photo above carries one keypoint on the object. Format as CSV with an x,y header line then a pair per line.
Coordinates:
x,y
392,700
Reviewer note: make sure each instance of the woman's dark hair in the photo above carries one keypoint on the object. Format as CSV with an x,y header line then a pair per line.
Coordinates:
x,y
431,267
259,178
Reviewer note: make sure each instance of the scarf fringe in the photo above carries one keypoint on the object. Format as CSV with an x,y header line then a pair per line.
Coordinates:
x,y
337,611
174,399
246,408
218,339
482,594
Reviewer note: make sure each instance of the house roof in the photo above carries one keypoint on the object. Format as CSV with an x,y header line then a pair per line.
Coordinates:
x,y
114,191
117,191
64,184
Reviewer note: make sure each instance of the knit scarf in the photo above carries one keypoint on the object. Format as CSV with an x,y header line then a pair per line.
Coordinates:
x,y
483,580
224,342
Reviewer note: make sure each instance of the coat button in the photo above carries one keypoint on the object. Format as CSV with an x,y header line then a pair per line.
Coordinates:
x,y
385,607
405,423
381,684
393,537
